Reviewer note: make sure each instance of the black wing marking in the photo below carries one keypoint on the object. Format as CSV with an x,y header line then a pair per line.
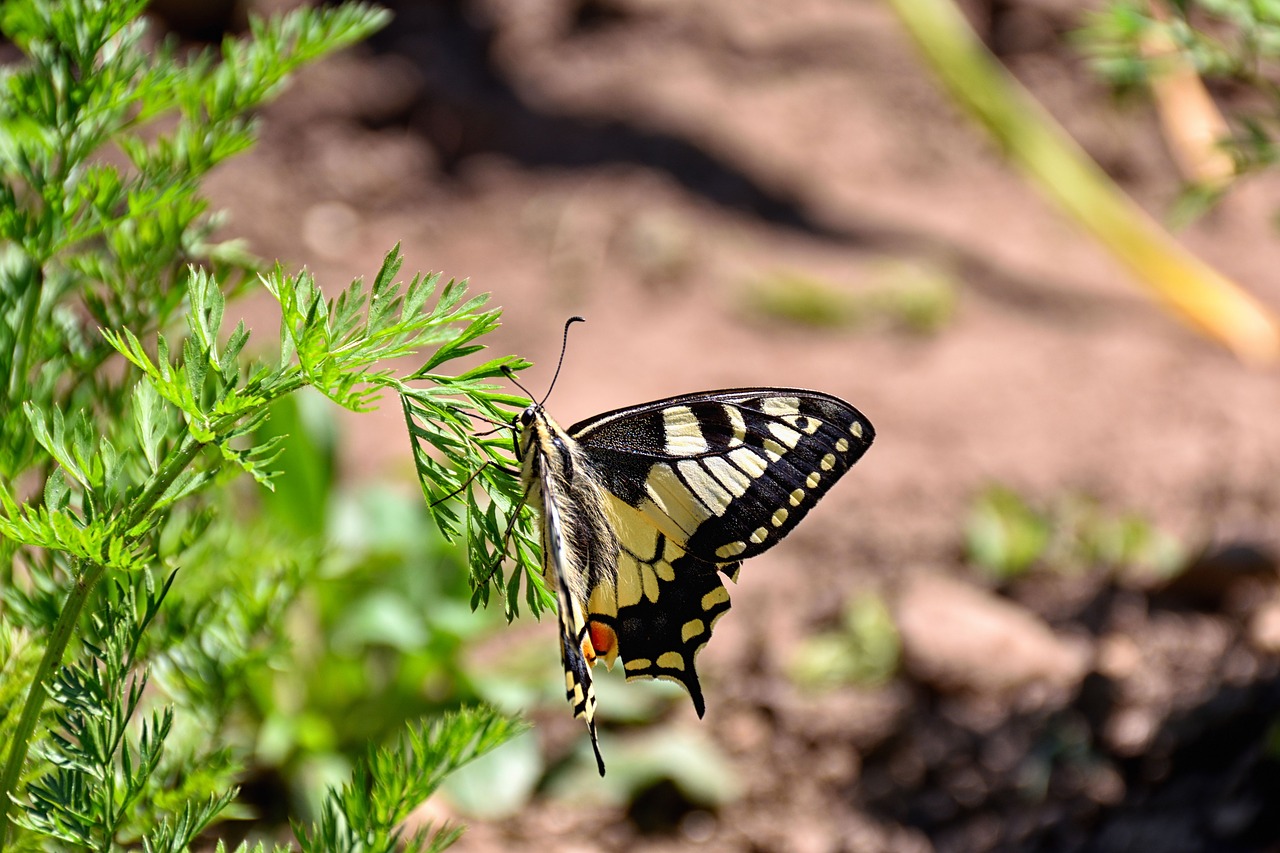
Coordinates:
x,y
726,473
661,639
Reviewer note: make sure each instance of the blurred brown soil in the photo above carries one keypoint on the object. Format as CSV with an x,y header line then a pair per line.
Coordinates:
x,y
643,163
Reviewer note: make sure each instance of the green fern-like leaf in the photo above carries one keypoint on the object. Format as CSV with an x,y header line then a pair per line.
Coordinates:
x,y
366,813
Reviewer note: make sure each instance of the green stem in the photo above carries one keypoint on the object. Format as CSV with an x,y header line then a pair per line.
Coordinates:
x,y
52,659
85,582
65,627
26,328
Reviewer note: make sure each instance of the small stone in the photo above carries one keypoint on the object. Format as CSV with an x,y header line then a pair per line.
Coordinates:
x,y
960,638
1264,627
1118,656
331,229
1130,731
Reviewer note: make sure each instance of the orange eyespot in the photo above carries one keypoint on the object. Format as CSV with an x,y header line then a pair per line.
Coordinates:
x,y
603,640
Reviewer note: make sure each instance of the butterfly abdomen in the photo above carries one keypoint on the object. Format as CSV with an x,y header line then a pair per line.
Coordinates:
x,y
590,547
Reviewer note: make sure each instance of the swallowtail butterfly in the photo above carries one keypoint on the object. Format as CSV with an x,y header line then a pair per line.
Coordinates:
x,y
643,509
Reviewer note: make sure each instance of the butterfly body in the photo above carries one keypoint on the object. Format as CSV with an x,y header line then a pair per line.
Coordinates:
x,y
644,509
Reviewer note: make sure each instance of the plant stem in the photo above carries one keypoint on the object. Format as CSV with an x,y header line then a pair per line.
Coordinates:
x,y
26,328
87,578
34,704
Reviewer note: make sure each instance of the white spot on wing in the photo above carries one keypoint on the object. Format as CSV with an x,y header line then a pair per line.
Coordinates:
x,y
705,486
806,424
780,406
630,583
749,461
650,580
730,477
733,549
738,424
670,495
683,434
671,660
785,434
717,596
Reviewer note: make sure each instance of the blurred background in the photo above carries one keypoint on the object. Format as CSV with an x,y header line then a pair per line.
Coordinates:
x,y
1041,614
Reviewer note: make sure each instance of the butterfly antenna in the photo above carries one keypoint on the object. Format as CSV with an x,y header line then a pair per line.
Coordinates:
x,y
511,374
564,344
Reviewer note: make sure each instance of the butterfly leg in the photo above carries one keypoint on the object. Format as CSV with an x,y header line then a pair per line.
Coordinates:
x,y
469,480
506,537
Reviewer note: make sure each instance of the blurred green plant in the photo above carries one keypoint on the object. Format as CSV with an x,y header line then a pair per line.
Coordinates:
x,y
1029,137
1006,535
368,813
162,626
362,617
1230,43
687,758
900,296
864,650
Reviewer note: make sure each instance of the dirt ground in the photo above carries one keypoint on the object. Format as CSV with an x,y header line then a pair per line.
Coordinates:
x,y
645,163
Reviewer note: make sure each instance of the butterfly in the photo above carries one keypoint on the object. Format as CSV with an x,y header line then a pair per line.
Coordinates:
x,y
643,509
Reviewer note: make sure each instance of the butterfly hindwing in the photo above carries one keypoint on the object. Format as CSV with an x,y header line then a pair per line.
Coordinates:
x,y
658,609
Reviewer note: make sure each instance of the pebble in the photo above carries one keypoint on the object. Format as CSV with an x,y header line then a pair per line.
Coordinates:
x,y
960,638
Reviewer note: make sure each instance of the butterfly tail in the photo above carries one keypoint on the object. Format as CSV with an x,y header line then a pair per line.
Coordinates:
x,y
595,744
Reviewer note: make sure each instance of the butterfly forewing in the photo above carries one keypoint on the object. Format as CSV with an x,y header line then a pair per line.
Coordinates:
x,y
733,471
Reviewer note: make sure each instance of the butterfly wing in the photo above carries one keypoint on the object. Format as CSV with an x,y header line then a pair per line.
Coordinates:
x,y
698,483
657,609
726,474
